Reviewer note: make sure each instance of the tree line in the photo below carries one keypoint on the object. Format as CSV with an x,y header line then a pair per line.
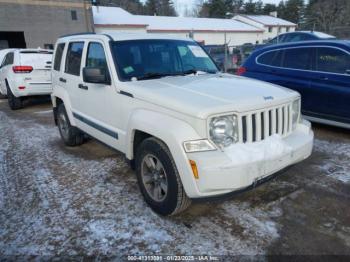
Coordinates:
x,y
329,16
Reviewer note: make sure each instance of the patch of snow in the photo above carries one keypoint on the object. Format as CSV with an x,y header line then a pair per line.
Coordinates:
x,y
44,112
55,201
118,16
337,164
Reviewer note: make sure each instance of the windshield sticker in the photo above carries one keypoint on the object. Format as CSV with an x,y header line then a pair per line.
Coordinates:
x,y
128,69
197,51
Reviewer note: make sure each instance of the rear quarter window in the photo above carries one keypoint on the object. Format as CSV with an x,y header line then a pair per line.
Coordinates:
x,y
271,58
58,56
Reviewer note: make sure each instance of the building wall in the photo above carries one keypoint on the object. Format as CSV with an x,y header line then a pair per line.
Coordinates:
x,y
209,38
232,38
276,31
44,21
266,35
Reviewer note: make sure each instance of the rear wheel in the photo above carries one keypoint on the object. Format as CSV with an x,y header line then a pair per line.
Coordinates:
x,y
14,102
70,135
158,178
2,96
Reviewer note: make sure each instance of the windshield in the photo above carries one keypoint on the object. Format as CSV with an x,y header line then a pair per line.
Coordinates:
x,y
145,59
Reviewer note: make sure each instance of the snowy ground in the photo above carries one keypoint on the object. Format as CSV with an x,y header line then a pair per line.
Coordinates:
x,y
71,201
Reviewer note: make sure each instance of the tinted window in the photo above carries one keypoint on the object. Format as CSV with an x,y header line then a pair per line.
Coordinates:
x,y
8,60
138,58
58,56
273,58
73,59
332,60
96,56
298,58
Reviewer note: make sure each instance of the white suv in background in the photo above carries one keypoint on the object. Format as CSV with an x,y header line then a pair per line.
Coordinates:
x,y
189,130
23,73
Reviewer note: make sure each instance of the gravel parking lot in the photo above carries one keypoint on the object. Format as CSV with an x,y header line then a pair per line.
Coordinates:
x,y
56,200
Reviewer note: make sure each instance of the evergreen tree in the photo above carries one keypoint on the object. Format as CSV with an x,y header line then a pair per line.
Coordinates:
x,y
160,7
294,11
132,6
268,8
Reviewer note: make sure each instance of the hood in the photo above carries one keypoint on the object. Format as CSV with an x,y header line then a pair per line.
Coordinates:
x,y
204,95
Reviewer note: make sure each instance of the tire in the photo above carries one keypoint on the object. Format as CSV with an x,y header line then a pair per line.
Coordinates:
x,y
167,202
2,96
70,135
14,102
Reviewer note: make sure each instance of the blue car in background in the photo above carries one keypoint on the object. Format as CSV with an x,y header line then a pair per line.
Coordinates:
x,y
318,70
297,36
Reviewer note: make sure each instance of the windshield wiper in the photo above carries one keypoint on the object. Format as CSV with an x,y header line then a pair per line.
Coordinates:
x,y
153,75
189,72
193,71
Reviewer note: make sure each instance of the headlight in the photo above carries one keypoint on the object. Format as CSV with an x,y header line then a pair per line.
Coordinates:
x,y
295,113
198,146
223,130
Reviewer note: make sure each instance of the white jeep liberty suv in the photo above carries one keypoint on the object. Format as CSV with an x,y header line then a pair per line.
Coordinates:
x,y
189,130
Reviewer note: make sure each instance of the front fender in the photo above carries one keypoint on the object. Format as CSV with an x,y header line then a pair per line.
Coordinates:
x,y
173,132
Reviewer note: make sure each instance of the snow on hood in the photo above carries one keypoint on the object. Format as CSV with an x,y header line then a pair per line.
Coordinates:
x,y
203,95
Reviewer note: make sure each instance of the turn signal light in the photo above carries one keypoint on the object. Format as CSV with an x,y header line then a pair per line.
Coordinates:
x,y
194,169
22,69
241,70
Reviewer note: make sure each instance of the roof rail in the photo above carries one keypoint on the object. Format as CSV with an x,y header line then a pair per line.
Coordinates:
x,y
84,33
110,38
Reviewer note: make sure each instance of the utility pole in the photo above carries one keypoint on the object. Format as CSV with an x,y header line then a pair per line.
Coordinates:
x,y
225,61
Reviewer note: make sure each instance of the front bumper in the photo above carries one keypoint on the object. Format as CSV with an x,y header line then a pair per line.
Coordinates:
x,y
241,165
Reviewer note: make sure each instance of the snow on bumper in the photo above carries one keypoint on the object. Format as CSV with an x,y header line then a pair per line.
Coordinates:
x,y
240,165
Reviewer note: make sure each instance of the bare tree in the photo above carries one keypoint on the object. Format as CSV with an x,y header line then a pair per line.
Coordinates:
x,y
329,14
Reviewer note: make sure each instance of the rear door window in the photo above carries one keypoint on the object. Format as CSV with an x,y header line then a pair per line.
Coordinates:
x,y
58,56
272,58
332,60
298,58
73,59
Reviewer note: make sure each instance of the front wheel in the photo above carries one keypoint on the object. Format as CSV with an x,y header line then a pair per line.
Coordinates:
x,y
70,135
159,179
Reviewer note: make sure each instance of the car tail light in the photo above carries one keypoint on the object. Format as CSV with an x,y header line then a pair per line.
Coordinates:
x,y
21,87
22,69
241,70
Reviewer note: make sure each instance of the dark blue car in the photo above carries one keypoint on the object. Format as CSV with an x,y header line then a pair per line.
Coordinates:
x,y
318,70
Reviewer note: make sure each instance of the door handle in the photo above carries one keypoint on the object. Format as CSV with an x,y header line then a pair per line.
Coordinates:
x,y
62,80
81,86
324,78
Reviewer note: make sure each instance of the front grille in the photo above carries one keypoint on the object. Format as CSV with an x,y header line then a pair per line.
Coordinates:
x,y
258,125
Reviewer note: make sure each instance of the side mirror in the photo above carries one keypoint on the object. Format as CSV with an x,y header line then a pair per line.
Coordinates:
x,y
348,72
96,75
